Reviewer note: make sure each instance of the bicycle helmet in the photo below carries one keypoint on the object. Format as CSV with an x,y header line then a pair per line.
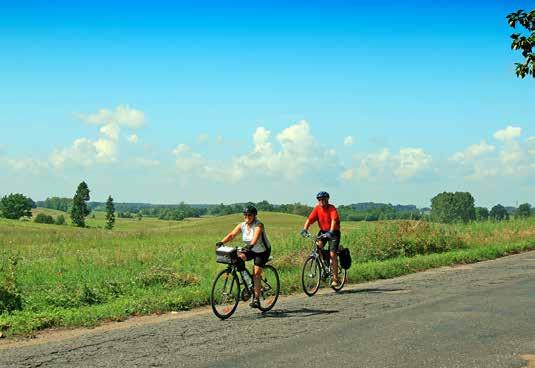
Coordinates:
x,y
250,210
322,195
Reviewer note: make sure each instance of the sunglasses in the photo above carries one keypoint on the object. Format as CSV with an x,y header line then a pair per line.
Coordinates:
x,y
248,214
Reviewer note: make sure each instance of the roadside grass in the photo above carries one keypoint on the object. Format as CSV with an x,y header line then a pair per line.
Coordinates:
x,y
68,277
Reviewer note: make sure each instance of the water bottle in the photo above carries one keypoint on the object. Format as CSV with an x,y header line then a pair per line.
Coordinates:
x,y
247,279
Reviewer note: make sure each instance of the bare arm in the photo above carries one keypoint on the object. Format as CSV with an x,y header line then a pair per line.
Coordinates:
x,y
258,230
306,225
333,222
232,234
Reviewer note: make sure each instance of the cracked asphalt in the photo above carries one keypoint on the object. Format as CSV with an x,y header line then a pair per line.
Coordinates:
x,y
479,315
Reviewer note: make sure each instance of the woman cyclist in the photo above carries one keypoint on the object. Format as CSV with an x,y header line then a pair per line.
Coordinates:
x,y
329,224
256,247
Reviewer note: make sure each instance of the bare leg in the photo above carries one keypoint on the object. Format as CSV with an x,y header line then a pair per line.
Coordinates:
x,y
334,262
257,274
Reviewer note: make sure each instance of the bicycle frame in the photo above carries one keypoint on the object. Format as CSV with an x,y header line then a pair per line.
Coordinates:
x,y
316,253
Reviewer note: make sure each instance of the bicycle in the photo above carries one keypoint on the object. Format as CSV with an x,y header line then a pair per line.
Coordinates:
x,y
317,269
227,289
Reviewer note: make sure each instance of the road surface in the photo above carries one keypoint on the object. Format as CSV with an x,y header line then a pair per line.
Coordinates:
x,y
480,315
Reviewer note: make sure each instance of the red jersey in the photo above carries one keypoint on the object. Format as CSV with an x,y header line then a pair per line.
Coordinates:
x,y
324,216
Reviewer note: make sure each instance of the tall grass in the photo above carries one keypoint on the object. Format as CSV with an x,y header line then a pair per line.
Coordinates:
x,y
66,276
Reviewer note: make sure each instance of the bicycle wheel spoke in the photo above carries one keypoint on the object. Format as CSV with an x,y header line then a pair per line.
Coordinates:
x,y
310,276
225,294
270,288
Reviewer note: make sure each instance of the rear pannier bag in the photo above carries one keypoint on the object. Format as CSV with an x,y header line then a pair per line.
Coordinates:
x,y
345,258
227,255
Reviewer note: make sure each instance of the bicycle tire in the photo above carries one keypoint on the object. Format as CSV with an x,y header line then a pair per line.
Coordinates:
x,y
342,277
311,276
270,288
225,294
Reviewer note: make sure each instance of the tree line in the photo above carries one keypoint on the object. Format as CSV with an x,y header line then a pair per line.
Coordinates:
x,y
446,207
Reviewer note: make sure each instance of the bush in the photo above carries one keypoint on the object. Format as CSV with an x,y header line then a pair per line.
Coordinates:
x,y
41,218
60,220
391,239
10,298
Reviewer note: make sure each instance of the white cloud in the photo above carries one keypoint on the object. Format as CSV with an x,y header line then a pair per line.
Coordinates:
x,y
348,140
407,163
411,161
111,130
181,148
85,152
512,158
472,152
25,164
373,164
508,133
133,138
296,154
123,115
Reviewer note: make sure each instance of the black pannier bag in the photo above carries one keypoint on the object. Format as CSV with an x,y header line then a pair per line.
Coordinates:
x,y
345,258
227,255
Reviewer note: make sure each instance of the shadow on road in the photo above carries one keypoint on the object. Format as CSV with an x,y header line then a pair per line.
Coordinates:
x,y
303,312
370,290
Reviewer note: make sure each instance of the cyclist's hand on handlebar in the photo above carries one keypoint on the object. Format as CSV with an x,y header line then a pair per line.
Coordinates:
x,y
219,244
328,235
304,233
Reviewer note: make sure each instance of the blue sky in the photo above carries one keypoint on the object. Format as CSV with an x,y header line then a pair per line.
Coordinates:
x,y
165,102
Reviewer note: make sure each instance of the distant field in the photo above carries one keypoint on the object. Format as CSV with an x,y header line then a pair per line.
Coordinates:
x,y
77,277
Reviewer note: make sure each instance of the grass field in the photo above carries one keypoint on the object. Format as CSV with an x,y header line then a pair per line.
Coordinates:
x,y
62,276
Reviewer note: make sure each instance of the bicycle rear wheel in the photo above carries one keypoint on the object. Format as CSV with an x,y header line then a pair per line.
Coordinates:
x,y
225,294
269,289
311,276
342,277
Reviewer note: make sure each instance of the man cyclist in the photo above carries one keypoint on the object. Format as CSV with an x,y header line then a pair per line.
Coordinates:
x,y
256,247
329,224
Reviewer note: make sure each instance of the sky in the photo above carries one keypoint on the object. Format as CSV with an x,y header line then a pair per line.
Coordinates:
x,y
224,102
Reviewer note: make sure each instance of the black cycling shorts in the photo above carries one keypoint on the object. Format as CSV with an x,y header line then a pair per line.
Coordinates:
x,y
260,259
334,243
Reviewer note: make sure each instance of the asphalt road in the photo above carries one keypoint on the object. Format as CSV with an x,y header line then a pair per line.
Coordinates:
x,y
480,315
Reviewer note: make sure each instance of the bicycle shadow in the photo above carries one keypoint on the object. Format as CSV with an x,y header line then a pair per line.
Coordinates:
x,y
372,291
302,312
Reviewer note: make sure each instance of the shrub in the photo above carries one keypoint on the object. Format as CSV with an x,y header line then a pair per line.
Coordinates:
x,y
60,220
10,298
41,218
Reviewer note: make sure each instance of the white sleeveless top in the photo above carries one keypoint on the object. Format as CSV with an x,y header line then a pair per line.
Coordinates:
x,y
262,244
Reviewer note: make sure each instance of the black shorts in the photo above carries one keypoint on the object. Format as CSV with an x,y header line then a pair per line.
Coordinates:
x,y
260,259
334,243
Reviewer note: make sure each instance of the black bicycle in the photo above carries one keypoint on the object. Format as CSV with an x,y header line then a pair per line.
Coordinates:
x,y
317,268
227,290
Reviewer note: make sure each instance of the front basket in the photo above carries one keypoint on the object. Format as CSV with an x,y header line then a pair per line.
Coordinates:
x,y
227,255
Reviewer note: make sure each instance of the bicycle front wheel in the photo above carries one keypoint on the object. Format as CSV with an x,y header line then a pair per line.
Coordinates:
x,y
269,288
311,276
225,294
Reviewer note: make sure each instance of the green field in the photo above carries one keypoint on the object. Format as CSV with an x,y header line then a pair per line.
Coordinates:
x,y
62,276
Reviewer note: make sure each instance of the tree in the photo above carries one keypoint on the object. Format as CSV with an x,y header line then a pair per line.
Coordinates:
x,y
110,213
15,206
524,210
482,214
499,213
139,216
522,42
79,208
450,207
